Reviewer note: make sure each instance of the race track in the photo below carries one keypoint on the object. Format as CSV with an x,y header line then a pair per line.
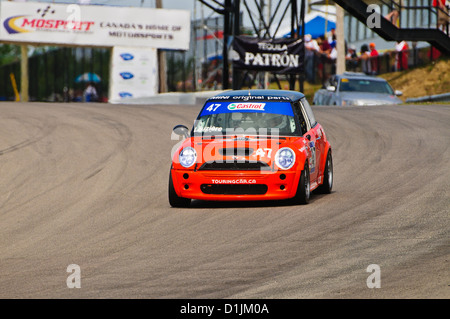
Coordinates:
x,y
87,185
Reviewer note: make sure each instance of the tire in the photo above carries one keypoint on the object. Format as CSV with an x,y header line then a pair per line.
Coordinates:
x,y
303,190
174,199
328,175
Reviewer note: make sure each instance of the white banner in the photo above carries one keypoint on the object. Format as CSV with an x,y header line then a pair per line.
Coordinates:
x,y
134,73
94,25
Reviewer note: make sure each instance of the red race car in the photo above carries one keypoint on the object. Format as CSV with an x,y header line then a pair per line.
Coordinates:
x,y
251,145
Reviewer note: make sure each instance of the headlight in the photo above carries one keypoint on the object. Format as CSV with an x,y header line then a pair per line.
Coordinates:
x,y
285,158
187,157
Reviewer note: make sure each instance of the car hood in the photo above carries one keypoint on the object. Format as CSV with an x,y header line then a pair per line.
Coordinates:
x,y
366,98
241,148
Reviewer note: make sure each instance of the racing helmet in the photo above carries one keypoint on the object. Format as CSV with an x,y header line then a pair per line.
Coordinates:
x,y
278,121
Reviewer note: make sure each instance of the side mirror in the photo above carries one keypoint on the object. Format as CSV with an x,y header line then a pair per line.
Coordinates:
x,y
181,130
398,93
331,88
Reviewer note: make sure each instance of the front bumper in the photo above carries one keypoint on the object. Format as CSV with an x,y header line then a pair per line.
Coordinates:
x,y
235,185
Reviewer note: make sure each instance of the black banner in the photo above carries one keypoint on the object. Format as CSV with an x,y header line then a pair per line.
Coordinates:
x,y
281,55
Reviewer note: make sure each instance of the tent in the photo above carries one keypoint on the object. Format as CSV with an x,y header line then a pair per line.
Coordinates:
x,y
315,25
88,77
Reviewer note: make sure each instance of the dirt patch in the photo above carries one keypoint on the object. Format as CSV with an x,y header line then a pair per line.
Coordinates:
x,y
427,80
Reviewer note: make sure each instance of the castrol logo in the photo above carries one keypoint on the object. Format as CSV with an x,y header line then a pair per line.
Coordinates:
x,y
246,106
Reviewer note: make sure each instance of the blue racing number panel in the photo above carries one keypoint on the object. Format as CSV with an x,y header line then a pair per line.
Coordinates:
x,y
284,108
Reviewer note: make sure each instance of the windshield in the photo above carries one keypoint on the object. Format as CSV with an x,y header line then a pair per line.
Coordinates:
x,y
370,86
250,118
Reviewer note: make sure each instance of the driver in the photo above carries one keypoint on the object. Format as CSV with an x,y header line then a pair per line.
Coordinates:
x,y
277,121
245,120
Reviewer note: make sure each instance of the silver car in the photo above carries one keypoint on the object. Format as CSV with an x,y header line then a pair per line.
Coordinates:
x,y
350,89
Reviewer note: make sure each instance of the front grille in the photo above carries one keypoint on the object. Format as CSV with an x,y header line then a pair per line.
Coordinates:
x,y
236,166
234,189
239,151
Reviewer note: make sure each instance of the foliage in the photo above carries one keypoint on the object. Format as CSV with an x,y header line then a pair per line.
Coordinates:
x,y
9,53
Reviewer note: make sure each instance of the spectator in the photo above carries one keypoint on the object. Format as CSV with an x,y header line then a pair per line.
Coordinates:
x,y
311,44
333,53
433,54
373,58
325,50
312,48
442,14
364,57
333,56
393,17
90,93
401,56
332,36
325,46
373,50
351,58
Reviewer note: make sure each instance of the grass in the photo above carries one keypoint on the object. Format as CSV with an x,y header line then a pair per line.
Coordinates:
x,y
429,79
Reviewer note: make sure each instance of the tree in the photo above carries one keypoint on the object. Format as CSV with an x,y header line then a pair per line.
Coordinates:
x,y
9,53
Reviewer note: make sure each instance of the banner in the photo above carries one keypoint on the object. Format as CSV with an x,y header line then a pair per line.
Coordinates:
x,y
94,25
134,73
272,55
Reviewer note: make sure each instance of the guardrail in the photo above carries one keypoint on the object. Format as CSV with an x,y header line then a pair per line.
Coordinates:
x,y
445,97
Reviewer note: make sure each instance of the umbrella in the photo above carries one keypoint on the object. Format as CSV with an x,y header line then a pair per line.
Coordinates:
x,y
88,77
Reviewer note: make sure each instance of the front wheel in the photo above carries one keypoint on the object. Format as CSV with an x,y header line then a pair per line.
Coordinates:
x,y
303,190
174,199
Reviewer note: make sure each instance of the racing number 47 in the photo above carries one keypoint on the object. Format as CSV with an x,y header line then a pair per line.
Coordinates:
x,y
212,107
262,152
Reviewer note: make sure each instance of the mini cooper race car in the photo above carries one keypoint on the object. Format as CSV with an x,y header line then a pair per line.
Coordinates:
x,y
251,145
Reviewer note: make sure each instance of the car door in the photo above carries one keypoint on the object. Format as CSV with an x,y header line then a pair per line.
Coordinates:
x,y
306,131
316,142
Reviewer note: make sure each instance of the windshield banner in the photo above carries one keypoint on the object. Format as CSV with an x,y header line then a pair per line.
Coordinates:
x,y
273,55
284,108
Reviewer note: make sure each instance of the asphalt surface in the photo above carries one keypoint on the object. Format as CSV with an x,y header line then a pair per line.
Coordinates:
x,y
87,185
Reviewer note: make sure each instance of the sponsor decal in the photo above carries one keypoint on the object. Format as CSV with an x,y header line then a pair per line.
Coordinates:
x,y
274,107
312,166
43,21
234,181
12,27
275,55
268,60
208,129
127,56
125,94
246,106
126,75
